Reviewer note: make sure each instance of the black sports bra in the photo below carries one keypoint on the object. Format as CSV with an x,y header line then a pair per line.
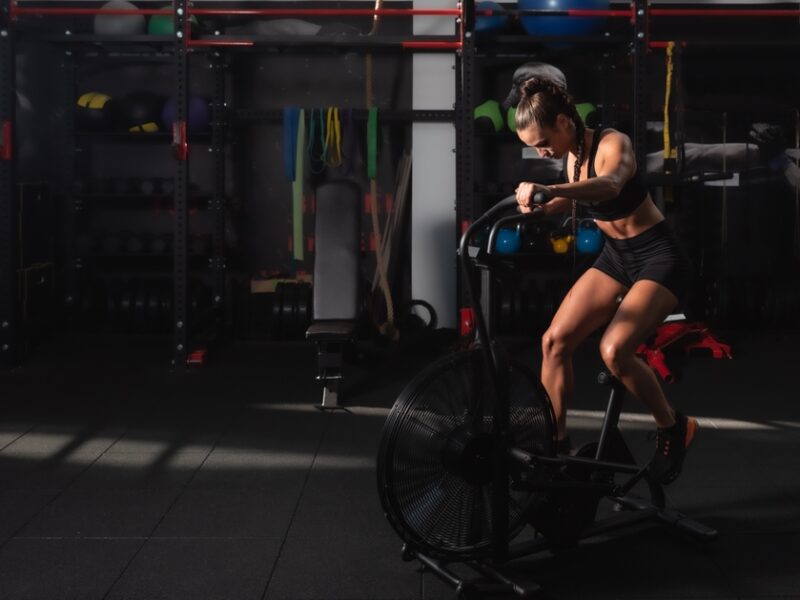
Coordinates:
x,y
632,195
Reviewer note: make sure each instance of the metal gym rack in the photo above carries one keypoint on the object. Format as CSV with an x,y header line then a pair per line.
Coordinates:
x,y
184,42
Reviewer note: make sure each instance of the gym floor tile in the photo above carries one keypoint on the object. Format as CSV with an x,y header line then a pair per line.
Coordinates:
x,y
17,507
53,441
356,431
430,586
274,426
343,563
198,569
219,513
55,569
339,502
249,469
11,432
739,509
141,471
159,438
45,473
101,514
651,563
761,564
245,486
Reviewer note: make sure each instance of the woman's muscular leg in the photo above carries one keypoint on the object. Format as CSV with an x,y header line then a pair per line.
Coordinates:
x,y
644,308
589,304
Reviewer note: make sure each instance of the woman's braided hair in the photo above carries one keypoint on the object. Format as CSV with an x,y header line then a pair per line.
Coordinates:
x,y
541,103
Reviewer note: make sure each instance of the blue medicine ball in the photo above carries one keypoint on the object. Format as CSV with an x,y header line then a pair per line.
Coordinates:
x,y
562,25
490,24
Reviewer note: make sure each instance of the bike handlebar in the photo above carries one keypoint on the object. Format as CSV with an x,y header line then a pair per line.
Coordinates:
x,y
504,204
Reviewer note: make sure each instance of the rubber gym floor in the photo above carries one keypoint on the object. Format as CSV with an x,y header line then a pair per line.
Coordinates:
x,y
120,480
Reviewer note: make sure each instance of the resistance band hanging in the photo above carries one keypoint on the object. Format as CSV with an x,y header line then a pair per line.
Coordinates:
x,y
291,116
333,137
372,143
317,163
349,143
297,188
670,153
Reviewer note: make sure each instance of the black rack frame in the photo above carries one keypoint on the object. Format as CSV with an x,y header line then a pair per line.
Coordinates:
x,y
178,48
180,142
9,309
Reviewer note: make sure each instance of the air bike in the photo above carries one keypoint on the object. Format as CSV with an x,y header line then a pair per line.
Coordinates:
x,y
467,460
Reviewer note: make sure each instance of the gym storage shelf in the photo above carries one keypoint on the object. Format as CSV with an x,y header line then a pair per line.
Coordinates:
x,y
84,53
213,43
157,137
146,43
377,44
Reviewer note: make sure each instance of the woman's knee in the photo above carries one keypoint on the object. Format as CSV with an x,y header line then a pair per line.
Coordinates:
x,y
557,344
616,356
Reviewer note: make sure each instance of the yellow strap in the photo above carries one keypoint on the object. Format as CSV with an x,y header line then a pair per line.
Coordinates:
x,y
333,133
669,151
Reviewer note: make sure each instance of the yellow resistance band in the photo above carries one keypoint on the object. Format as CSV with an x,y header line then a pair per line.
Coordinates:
x,y
669,151
333,137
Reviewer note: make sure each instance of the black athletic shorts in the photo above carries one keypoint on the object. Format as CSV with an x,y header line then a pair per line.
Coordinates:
x,y
654,254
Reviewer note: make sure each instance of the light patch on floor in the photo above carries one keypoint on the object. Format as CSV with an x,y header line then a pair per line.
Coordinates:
x,y
711,422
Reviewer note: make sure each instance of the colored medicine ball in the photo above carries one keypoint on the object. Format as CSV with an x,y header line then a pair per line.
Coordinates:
x,y
494,23
488,117
511,118
164,24
119,24
562,25
588,113
141,112
198,113
96,112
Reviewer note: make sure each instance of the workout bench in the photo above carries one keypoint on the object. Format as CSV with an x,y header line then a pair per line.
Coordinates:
x,y
337,228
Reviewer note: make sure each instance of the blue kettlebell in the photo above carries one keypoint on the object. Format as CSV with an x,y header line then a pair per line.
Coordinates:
x,y
589,239
508,241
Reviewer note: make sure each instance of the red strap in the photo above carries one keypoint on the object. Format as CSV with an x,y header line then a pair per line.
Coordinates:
x,y
655,359
718,349
179,142
7,147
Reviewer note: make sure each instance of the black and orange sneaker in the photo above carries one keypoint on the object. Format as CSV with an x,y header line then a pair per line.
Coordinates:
x,y
671,445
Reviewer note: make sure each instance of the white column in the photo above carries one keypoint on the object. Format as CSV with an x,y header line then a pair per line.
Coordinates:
x,y
433,186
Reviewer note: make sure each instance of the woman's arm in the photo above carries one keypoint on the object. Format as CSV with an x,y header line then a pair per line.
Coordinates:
x,y
552,207
615,165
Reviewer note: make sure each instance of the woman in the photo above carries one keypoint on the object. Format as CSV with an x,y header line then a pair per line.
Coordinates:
x,y
640,263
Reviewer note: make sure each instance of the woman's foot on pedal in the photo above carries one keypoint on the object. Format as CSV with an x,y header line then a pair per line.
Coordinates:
x,y
671,445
